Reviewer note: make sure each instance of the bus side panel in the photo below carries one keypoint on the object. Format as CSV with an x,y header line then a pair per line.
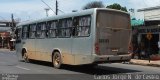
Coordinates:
x,y
82,59
64,45
82,49
68,59
43,48
29,45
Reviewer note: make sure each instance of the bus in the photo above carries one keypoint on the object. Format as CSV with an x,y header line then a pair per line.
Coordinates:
x,y
91,36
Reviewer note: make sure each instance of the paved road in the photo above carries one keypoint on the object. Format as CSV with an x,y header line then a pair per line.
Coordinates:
x,y
9,64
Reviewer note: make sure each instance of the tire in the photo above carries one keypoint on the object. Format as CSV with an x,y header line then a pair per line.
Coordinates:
x,y
25,58
57,60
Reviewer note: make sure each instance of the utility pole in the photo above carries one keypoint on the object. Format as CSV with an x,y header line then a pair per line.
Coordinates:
x,y
13,23
56,7
12,32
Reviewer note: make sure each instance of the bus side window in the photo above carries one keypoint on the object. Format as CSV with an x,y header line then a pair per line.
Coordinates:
x,y
47,29
68,27
52,29
81,26
64,28
41,30
44,29
38,30
84,26
25,32
32,31
75,24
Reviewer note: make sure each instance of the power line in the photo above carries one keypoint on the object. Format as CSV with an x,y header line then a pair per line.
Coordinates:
x,y
145,3
61,11
48,6
3,18
56,7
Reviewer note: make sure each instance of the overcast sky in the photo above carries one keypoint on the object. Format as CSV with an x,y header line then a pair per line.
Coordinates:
x,y
34,9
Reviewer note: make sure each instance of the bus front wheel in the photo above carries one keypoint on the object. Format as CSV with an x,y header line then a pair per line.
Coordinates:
x,y
57,60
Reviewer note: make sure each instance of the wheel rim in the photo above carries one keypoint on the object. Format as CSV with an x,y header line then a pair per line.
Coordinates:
x,y
57,60
25,57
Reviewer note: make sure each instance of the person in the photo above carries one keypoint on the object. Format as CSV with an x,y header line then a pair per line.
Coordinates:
x,y
135,50
11,44
142,51
148,53
138,52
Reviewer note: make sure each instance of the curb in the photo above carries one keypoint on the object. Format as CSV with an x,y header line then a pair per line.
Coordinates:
x,y
4,49
8,50
145,64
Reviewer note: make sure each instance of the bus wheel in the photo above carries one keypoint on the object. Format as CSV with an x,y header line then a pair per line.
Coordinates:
x,y
25,57
56,60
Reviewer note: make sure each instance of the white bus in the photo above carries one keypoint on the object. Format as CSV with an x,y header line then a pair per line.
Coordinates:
x,y
90,36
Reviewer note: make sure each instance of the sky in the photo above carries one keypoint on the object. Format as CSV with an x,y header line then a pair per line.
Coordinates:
x,y
25,10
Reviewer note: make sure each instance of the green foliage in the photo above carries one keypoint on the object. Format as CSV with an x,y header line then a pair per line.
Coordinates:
x,y
94,4
117,6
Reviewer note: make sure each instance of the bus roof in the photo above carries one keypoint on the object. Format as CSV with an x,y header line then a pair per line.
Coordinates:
x,y
78,13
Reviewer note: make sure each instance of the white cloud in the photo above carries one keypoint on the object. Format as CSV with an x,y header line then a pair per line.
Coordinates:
x,y
24,10
19,6
144,3
34,9
69,5
140,4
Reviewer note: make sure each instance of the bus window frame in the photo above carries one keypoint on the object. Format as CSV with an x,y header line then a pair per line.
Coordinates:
x,y
75,27
65,28
35,24
41,24
49,24
25,32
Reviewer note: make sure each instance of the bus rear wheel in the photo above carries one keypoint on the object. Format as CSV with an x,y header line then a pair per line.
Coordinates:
x,y
57,60
25,57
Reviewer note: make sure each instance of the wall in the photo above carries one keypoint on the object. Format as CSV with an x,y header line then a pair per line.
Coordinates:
x,y
152,14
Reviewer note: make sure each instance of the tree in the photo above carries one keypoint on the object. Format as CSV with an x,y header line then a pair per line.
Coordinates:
x,y
94,4
117,6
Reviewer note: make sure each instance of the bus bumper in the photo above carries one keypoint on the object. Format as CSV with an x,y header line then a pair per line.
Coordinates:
x,y
112,58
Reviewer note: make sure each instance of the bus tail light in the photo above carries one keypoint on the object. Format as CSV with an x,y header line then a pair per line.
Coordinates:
x,y
97,48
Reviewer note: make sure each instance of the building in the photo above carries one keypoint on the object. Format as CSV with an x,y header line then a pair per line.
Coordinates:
x,y
5,31
148,35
